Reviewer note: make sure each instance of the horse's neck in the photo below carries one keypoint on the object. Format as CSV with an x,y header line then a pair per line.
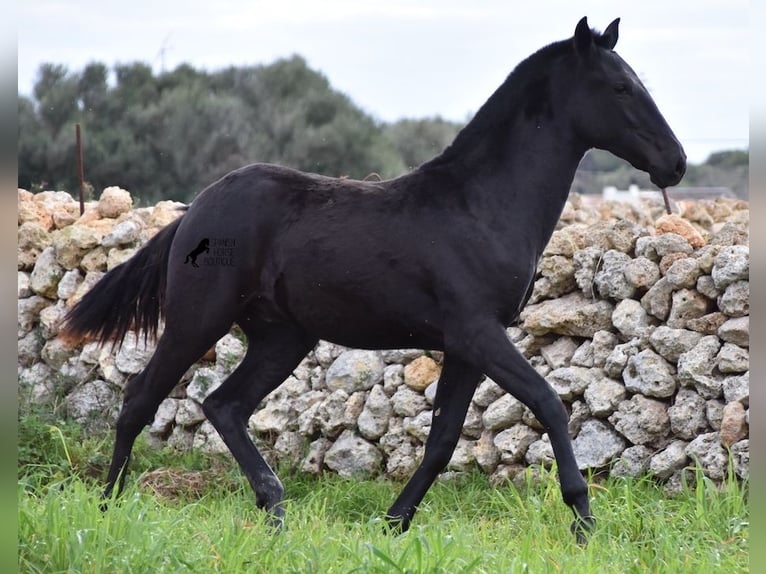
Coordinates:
x,y
527,170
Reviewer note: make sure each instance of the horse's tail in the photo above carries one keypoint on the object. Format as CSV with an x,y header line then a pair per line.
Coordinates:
x,y
129,297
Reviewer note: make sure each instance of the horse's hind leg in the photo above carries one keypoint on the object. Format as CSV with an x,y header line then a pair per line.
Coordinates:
x,y
176,350
453,395
273,352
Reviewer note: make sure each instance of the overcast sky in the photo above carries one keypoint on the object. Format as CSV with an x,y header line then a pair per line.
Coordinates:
x,y
420,58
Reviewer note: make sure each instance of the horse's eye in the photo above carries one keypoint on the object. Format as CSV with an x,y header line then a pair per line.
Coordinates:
x,y
621,89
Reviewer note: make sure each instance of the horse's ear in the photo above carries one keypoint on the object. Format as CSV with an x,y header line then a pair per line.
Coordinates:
x,y
583,38
609,38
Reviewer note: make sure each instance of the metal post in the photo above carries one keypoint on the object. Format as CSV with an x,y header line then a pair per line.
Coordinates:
x,y
80,169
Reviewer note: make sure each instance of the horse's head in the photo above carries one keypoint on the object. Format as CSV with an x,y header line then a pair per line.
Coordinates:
x,y
612,110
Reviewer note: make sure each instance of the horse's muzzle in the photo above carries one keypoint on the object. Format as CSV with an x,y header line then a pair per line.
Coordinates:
x,y
670,172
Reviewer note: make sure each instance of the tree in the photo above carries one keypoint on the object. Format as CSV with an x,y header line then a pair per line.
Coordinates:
x,y
418,141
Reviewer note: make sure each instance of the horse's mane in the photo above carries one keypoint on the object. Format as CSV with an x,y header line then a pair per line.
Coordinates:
x,y
525,90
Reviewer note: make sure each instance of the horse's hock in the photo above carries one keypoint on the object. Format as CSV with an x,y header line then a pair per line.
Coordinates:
x,y
639,321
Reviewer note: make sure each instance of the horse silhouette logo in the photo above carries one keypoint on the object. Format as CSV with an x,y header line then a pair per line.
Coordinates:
x,y
203,247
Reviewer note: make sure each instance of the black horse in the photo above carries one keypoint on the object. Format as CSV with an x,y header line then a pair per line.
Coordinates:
x,y
441,258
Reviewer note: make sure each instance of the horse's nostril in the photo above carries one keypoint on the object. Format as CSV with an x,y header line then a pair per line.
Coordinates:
x,y
681,166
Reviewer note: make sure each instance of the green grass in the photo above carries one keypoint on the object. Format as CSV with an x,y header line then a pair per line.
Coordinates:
x,y
334,525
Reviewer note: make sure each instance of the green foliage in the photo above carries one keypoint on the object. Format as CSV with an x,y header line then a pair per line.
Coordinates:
x,y
736,158
335,524
418,141
170,135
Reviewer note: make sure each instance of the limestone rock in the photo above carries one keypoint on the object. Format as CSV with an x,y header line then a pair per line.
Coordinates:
x,y
393,378
114,202
708,452
696,367
642,421
672,343
740,454
735,300
164,417
487,392
313,463
275,417
707,324
610,279
731,264
229,352
502,413
355,370
733,425
559,353
603,396
123,233
421,372
353,457
641,273
617,360
93,405
571,382
46,274
683,273
73,242
631,320
28,314
134,354
407,402
596,445
373,421
688,414
656,247
207,439
673,223
462,458
670,460
737,388
329,413
540,452
513,443
32,239
736,331
485,452
733,359
633,463
657,300
572,315
204,382
686,304
649,374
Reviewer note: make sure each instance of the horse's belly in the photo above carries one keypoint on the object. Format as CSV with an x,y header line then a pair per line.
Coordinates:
x,y
364,320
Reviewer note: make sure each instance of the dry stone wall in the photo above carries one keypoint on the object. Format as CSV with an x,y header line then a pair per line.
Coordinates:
x,y
639,321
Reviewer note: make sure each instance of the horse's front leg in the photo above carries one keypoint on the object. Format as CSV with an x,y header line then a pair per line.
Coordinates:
x,y
453,395
486,344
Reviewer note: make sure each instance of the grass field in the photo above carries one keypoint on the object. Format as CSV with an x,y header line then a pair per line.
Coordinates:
x,y
196,514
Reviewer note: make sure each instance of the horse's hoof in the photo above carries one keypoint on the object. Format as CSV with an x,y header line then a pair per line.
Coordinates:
x,y
581,527
396,525
275,523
